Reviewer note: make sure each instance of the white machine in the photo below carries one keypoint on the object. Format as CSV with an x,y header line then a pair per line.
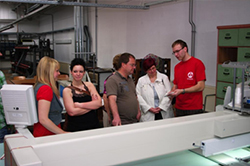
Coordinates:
x,y
163,142
130,143
19,106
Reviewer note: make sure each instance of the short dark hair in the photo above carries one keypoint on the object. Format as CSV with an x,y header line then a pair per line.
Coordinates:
x,y
181,42
116,61
77,61
124,58
147,63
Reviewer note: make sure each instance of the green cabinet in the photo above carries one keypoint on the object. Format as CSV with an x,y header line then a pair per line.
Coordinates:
x,y
228,37
222,88
244,37
234,46
243,54
227,74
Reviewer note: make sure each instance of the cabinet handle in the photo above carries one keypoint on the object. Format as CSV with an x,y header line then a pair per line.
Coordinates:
x,y
228,37
224,89
247,55
247,37
226,73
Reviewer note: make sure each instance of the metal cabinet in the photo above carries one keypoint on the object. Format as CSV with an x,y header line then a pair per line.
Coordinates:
x,y
234,46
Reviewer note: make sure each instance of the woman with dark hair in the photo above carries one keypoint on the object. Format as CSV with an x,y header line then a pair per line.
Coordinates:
x,y
151,91
80,100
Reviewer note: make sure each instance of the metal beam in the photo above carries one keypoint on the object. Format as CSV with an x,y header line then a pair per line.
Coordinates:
x,y
157,2
45,2
22,18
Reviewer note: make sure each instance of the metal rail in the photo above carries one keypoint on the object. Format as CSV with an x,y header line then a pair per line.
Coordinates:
x,y
45,2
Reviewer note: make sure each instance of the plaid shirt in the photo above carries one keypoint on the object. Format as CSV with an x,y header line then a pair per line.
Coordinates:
x,y
2,117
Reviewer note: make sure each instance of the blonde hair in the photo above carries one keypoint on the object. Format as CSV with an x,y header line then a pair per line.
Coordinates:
x,y
45,73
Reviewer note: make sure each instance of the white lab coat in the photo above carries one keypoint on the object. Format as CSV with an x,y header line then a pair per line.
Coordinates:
x,y
145,96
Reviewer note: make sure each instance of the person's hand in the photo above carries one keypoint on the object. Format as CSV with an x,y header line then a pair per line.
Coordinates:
x,y
116,121
138,115
158,109
154,110
174,93
77,105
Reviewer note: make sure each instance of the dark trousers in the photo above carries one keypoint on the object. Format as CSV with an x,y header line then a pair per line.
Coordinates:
x,y
179,112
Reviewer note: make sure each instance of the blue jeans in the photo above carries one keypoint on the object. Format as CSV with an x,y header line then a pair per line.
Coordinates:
x,y
4,131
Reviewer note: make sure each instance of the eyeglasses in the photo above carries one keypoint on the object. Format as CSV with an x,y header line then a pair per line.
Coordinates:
x,y
177,51
133,65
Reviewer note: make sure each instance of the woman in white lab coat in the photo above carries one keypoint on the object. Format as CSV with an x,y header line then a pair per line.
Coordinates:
x,y
152,90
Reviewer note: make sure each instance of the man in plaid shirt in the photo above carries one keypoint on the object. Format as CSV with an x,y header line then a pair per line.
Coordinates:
x,y
4,129
3,126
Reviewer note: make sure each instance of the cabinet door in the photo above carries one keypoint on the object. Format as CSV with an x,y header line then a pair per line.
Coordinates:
x,y
228,37
227,74
222,88
219,101
244,37
243,55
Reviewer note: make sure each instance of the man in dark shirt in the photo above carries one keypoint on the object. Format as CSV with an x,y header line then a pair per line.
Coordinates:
x,y
121,93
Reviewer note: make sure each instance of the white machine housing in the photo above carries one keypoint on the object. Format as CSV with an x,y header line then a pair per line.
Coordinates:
x,y
19,105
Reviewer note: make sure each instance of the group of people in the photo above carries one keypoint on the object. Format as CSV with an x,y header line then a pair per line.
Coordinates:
x,y
151,99
80,100
124,102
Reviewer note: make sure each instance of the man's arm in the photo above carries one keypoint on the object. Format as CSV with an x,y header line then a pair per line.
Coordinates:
x,y
114,109
196,88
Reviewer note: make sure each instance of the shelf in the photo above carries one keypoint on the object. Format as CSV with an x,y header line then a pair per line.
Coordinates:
x,y
239,65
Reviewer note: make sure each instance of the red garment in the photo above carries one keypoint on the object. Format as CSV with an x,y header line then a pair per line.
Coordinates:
x,y
187,74
40,131
44,93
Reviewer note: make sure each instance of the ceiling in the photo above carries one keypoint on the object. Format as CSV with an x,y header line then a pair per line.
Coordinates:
x,y
29,8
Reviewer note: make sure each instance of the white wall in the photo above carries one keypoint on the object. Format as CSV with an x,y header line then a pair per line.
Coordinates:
x,y
63,18
153,31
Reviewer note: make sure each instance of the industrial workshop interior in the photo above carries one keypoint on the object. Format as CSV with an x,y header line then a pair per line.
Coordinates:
x,y
217,35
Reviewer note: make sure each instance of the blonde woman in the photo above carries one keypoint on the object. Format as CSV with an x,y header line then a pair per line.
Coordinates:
x,y
48,104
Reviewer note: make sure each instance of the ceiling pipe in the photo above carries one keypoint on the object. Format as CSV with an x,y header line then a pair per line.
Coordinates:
x,y
6,28
77,4
157,2
22,18
193,28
